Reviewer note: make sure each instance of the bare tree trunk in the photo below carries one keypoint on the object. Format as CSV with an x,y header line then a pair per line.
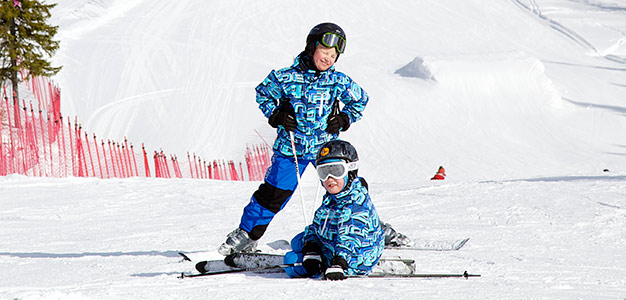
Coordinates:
x,y
14,78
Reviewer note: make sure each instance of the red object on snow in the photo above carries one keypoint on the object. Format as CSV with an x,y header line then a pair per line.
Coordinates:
x,y
441,174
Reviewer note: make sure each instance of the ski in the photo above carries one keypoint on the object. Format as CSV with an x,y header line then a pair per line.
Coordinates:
x,y
465,274
277,246
264,262
251,260
416,244
238,270
268,262
240,261
431,245
261,260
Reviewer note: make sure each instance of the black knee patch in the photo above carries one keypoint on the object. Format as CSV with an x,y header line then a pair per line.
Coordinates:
x,y
271,197
257,232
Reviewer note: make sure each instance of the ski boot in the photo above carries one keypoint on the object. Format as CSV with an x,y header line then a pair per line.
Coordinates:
x,y
237,241
394,238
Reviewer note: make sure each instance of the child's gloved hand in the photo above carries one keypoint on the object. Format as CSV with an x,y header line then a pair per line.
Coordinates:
x,y
335,273
336,122
312,259
285,116
312,263
337,268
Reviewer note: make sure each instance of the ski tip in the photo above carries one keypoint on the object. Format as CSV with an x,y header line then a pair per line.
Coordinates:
x,y
201,266
462,243
185,257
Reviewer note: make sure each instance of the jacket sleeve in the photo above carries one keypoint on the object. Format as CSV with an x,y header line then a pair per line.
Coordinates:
x,y
268,93
354,99
310,231
309,234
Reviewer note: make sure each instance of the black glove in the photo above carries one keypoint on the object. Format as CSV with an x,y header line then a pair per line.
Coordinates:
x,y
285,116
336,270
336,122
312,259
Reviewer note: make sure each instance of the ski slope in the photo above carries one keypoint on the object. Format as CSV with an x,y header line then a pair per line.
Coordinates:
x,y
508,83
522,101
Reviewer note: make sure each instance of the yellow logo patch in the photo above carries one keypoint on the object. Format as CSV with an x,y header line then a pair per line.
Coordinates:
x,y
324,151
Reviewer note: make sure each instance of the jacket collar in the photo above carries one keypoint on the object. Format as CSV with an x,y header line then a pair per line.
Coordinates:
x,y
343,197
305,64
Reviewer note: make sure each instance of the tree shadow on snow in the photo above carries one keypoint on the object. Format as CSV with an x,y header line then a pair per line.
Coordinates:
x,y
570,178
156,274
274,274
617,109
617,84
618,153
169,253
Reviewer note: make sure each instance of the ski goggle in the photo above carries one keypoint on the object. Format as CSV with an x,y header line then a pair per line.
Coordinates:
x,y
331,40
337,170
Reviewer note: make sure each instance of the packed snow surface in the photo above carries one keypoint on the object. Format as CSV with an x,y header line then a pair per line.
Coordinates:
x,y
522,101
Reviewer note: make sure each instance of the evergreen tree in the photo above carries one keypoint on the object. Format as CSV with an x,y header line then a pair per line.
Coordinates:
x,y
26,40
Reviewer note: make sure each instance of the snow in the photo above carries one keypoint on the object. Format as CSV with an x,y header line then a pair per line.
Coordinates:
x,y
521,101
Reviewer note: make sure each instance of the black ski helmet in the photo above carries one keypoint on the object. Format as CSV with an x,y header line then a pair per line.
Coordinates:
x,y
315,35
336,149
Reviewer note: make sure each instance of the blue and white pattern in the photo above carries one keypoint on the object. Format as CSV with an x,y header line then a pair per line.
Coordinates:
x,y
312,95
347,225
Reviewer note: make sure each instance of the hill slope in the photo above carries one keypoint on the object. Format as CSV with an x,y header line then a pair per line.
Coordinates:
x,y
521,88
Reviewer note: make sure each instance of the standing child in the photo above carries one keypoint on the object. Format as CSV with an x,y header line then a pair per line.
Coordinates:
x,y
346,237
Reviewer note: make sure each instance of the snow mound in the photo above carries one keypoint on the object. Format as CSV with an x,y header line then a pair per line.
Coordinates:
x,y
500,78
416,69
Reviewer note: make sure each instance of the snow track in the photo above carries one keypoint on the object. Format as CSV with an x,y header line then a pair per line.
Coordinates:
x,y
534,8
594,14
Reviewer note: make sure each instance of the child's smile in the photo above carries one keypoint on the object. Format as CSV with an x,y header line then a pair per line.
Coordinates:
x,y
333,185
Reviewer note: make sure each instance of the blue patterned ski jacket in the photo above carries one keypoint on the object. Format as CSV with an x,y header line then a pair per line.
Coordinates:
x,y
312,95
347,225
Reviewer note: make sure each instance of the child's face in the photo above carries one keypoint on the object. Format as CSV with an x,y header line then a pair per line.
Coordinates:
x,y
324,58
333,185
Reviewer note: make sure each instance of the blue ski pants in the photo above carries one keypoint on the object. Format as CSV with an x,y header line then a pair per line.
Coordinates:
x,y
280,183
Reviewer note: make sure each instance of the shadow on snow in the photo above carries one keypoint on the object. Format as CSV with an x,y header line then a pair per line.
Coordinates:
x,y
570,178
169,253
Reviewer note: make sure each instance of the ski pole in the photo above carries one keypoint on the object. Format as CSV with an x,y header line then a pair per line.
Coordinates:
x,y
317,194
295,157
465,275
